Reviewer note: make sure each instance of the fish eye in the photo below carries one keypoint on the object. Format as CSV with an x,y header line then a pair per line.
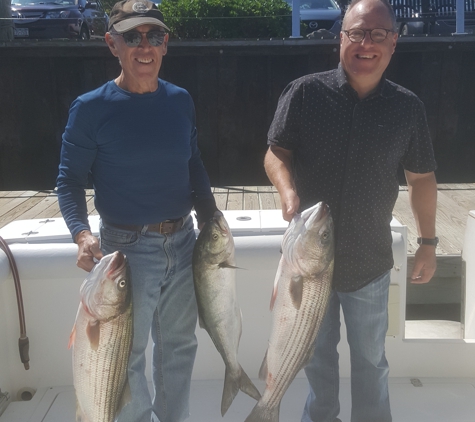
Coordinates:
x,y
122,284
215,236
325,235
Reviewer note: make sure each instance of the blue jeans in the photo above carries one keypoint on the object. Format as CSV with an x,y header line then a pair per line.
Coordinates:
x,y
165,305
366,319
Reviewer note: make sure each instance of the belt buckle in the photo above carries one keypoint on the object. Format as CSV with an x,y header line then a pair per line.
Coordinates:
x,y
161,229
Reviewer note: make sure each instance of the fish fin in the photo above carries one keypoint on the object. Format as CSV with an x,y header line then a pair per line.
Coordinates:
x,y
276,285
230,390
273,297
308,356
261,413
226,264
93,332
296,290
247,386
72,337
85,307
263,370
80,416
201,323
78,412
126,397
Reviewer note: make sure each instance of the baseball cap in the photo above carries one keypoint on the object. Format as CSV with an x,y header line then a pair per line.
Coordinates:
x,y
128,14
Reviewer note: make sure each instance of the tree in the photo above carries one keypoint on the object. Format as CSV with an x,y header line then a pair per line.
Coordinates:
x,y
218,19
6,23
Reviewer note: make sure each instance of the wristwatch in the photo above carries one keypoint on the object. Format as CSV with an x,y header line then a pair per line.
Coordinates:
x,y
426,241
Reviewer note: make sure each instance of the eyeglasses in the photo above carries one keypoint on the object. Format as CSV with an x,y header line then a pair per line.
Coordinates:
x,y
377,35
134,38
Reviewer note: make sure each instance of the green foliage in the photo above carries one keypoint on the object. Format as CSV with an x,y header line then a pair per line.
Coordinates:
x,y
211,19
108,5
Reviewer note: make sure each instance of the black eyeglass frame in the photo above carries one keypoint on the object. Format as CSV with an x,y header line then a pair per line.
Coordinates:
x,y
370,34
129,43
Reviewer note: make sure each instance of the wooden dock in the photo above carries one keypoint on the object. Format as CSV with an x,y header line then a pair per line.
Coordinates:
x,y
454,203
439,299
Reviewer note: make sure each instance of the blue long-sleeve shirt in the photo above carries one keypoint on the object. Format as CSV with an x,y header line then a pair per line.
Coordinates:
x,y
141,151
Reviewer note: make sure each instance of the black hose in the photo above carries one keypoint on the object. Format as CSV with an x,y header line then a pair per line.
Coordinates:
x,y
23,342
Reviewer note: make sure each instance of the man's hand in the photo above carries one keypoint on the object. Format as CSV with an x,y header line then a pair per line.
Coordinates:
x,y
425,264
88,249
290,204
216,214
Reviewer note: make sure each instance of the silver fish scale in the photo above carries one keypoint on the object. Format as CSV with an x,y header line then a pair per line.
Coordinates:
x,y
300,335
100,374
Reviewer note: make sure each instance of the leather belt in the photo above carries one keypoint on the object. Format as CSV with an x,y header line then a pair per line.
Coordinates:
x,y
165,227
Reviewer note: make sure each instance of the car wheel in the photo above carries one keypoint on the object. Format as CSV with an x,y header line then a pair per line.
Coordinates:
x,y
404,30
84,34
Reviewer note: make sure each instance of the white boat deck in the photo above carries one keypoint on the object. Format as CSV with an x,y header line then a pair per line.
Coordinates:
x,y
422,400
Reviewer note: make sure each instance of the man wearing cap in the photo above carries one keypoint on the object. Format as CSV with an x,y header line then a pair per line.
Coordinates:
x,y
136,138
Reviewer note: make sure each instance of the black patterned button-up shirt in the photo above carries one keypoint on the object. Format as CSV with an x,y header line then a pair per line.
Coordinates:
x,y
346,152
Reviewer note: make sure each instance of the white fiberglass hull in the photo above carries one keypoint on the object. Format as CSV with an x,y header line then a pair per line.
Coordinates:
x,y
50,281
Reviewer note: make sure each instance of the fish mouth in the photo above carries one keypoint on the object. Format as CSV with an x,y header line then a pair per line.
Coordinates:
x,y
221,223
117,264
323,211
311,217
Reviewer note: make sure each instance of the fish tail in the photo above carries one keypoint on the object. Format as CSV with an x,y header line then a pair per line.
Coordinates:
x,y
231,388
261,413
80,416
247,386
233,382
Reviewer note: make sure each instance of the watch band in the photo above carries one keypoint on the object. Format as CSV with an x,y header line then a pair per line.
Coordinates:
x,y
426,241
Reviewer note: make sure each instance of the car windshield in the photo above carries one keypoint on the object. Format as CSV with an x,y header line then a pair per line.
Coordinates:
x,y
36,2
316,4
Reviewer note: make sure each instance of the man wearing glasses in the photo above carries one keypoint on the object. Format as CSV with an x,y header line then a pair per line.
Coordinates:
x,y
136,137
339,137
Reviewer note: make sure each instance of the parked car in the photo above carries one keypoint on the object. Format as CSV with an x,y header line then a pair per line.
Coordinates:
x,y
434,18
444,16
409,17
320,14
42,19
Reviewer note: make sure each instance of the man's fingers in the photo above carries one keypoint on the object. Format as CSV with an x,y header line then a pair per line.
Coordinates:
x,y
96,251
288,214
89,251
422,276
86,263
290,206
425,265
416,272
419,279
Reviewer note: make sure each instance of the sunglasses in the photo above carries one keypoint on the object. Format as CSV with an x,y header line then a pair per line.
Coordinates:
x,y
134,38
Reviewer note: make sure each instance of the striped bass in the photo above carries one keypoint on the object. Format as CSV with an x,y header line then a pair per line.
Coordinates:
x,y
299,301
219,312
101,340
